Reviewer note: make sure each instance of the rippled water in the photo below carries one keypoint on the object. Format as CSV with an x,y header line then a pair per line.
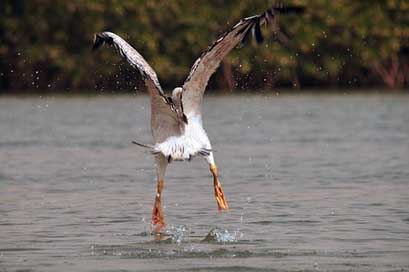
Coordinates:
x,y
314,182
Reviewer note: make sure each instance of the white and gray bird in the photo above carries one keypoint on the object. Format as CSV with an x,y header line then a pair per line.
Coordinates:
x,y
176,121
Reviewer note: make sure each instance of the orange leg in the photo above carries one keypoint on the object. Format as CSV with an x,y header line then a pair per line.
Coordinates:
x,y
158,219
218,191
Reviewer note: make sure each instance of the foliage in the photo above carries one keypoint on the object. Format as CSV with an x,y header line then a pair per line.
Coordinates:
x,y
46,44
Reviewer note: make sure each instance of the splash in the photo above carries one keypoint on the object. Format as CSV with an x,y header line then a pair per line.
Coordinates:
x,y
222,236
177,234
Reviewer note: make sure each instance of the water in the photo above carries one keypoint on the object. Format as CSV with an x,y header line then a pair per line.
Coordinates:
x,y
314,182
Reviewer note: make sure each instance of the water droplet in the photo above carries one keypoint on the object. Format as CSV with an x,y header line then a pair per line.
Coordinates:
x,y
222,236
178,233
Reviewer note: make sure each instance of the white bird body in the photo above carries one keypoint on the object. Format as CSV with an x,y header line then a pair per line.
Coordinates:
x,y
192,142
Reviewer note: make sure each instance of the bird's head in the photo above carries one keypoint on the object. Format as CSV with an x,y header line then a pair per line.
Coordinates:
x,y
177,102
177,92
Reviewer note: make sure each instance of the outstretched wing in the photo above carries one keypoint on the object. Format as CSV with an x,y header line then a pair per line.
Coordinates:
x,y
207,63
165,121
133,58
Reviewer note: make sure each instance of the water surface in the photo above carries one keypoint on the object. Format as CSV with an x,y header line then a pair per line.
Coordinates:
x,y
314,182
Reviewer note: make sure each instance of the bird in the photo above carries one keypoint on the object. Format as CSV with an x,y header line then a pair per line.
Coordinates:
x,y
176,120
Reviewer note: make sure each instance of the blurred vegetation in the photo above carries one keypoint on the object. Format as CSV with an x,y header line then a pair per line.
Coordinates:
x,y
45,44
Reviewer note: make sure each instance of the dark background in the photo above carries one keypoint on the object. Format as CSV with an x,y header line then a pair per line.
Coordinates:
x,y
46,45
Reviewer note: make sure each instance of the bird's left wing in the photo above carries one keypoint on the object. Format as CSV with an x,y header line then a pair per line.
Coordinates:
x,y
133,58
164,112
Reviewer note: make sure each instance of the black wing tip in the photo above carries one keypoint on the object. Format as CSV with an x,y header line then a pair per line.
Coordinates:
x,y
100,39
284,9
280,8
257,32
269,15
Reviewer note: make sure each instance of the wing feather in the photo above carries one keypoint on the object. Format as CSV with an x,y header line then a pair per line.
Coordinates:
x,y
207,63
164,119
132,57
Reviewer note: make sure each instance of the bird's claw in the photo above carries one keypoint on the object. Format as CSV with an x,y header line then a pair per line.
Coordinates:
x,y
158,219
221,201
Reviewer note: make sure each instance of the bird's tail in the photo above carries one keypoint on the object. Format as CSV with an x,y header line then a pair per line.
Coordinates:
x,y
204,152
148,146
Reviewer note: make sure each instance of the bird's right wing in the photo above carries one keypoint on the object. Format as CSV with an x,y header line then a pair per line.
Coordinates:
x,y
207,63
164,115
